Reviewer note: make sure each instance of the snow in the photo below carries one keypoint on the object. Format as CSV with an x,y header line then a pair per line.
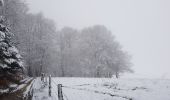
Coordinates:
x,y
104,89
41,91
3,65
18,56
13,50
10,60
21,64
13,85
2,91
145,76
2,36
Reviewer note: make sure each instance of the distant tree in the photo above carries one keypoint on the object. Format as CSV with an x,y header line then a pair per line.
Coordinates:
x,y
91,52
38,43
67,37
105,54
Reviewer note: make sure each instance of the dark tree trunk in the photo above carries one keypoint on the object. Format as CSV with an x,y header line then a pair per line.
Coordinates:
x,y
117,74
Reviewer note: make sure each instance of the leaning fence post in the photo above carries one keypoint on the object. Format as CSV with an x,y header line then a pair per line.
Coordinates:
x,y
60,94
50,85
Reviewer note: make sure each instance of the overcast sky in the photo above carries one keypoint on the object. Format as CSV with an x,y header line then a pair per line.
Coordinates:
x,y
141,26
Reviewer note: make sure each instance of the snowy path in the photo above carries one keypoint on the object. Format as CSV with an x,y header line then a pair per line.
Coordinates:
x,y
41,91
104,89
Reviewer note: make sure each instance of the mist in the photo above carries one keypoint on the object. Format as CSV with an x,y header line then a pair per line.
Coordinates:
x,y
142,27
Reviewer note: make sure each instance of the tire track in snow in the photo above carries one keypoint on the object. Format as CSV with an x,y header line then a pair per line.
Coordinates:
x,y
100,92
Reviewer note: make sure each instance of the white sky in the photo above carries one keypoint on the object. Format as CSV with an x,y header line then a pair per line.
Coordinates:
x,y
141,26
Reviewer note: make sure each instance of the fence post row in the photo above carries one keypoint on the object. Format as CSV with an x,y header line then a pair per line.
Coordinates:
x,y
60,94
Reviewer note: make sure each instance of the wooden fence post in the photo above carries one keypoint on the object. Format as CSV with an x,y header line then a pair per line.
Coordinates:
x,y
46,79
50,85
60,94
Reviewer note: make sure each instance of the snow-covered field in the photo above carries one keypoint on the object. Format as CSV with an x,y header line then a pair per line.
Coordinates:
x,y
105,89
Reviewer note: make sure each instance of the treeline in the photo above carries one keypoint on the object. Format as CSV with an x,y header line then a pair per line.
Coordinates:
x,y
90,52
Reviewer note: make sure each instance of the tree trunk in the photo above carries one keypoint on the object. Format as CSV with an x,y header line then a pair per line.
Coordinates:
x,y
117,74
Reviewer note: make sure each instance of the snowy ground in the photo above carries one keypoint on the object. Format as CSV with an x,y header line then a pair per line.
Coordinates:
x,y
104,89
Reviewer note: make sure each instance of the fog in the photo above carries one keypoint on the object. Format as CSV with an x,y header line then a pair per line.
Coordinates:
x,y
142,27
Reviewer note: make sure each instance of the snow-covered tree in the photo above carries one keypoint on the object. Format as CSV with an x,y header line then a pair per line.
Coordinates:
x,y
10,59
100,54
91,52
